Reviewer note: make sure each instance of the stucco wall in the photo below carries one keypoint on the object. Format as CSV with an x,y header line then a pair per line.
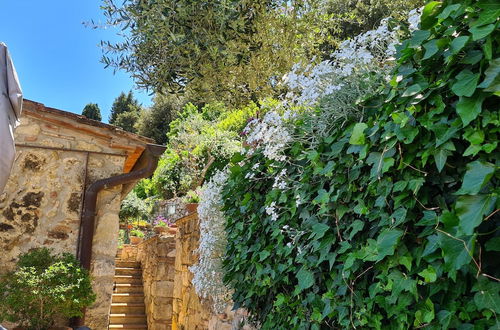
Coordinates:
x,y
42,202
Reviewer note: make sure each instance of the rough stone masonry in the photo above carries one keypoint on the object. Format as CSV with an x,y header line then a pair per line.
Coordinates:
x,y
58,155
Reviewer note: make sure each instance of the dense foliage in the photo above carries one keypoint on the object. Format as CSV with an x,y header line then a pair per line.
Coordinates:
x,y
232,51
92,111
200,141
389,220
125,112
42,288
154,122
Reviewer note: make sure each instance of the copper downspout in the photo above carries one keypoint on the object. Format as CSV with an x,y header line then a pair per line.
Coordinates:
x,y
152,154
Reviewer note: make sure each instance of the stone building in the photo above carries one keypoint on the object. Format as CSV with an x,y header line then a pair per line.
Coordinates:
x,y
61,159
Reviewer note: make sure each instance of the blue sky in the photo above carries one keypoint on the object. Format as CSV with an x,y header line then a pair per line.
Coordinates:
x,y
57,57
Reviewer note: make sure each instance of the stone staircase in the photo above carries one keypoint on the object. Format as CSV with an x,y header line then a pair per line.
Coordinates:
x,y
127,303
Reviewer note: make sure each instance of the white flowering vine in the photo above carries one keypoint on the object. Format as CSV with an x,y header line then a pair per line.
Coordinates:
x,y
208,273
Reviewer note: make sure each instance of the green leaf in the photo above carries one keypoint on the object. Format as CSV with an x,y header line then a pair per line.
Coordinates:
x,y
412,90
444,318
465,83
487,17
264,254
418,37
477,176
428,17
493,244
358,137
471,210
440,157
458,43
429,274
454,253
320,229
305,279
357,225
322,198
431,246
386,242
468,108
488,297
448,10
491,82
431,48
480,32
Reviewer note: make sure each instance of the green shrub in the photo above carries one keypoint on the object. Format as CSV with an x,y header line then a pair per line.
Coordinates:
x,y
389,223
44,287
137,233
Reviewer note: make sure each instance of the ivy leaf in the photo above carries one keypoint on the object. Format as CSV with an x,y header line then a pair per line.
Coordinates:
x,y
444,318
448,10
487,296
358,137
458,43
320,229
263,255
493,244
357,225
322,198
305,278
471,209
466,83
477,176
412,90
480,32
491,82
431,246
386,242
429,274
487,17
431,48
429,12
468,108
418,37
440,157
454,253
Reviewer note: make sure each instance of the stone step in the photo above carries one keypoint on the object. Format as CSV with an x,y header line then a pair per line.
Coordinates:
x,y
124,318
128,297
128,326
128,287
132,308
127,271
130,264
130,279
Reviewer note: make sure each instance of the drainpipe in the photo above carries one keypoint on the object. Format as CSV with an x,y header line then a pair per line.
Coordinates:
x,y
152,154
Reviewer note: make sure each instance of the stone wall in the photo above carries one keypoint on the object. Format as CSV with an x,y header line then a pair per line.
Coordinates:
x,y
58,155
189,310
157,257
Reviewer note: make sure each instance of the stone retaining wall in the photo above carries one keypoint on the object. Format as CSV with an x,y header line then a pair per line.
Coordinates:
x,y
157,257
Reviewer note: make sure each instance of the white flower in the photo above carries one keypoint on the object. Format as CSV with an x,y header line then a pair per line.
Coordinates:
x,y
208,273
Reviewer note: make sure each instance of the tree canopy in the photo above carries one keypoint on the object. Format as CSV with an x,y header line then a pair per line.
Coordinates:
x,y
92,111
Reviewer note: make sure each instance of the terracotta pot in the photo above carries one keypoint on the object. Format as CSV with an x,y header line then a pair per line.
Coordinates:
x,y
160,230
134,240
172,230
191,207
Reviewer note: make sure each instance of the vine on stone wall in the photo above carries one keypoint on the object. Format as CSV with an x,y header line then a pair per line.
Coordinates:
x,y
390,222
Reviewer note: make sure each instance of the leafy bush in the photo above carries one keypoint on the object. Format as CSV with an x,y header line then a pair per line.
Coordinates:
x,y
137,233
42,288
388,223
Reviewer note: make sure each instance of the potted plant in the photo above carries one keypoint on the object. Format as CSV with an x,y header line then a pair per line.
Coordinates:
x,y
191,201
161,224
136,236
44,288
